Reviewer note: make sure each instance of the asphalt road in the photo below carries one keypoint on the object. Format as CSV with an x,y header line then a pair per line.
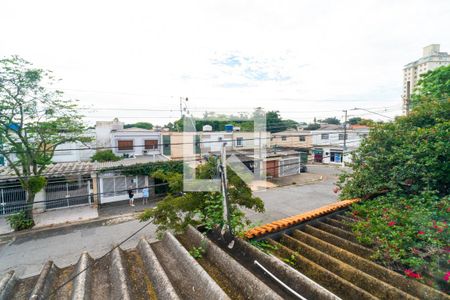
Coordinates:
x,y
291,200
27,255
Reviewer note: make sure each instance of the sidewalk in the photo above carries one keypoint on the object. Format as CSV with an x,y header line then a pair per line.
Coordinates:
x,y
122,207
55,220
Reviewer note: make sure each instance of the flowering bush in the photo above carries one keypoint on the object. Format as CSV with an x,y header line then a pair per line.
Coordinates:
x,y
409,234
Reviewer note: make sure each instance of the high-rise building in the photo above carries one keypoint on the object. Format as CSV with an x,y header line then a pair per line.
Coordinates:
x,y
431,59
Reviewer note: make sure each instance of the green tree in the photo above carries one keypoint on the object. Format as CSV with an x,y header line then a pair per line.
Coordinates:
x,y
105,155
143,125
406,156
34,120
354,120
178,208
331,120
401,173
432,86
312,126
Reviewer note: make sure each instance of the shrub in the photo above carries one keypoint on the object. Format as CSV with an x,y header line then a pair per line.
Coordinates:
x,y
105,155
409,234
20,221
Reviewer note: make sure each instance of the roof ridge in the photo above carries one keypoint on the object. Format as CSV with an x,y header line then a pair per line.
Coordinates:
x,y
293,220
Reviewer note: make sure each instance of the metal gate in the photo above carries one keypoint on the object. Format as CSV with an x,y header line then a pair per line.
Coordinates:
x,y
12,200
67,194
290,166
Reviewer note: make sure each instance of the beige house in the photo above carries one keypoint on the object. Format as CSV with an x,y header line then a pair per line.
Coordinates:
x,y
292,139
190,145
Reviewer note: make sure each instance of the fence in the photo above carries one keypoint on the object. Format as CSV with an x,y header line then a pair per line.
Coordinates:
x,y
12,200
67,194
290,166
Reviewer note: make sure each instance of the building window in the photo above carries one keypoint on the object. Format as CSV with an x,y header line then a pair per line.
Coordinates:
x,y
342,136
125,145
324,136
239,142
151,144
283,138
302,138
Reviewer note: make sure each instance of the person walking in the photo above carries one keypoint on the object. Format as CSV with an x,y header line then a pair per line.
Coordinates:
x,y
145,195
131,196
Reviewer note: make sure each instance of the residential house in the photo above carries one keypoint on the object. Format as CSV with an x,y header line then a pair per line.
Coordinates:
x,y
127,142
191,145
328,142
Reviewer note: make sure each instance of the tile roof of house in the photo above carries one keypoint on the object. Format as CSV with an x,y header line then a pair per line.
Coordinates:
x,y
291,221
86,167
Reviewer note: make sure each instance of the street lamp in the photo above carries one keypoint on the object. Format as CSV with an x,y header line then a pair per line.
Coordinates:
x,y
372,112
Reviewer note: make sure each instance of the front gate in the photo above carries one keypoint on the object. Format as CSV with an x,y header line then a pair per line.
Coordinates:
x,y
12,200
67,194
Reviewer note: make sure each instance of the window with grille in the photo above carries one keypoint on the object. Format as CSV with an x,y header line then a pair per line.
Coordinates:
x,y
124,145
151,144
325,136
239,142
342,136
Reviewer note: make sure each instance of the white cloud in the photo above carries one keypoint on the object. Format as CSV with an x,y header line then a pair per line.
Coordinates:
x,y
295,56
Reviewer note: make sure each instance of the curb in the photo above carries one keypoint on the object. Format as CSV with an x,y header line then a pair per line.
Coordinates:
x,y
5,238
322,178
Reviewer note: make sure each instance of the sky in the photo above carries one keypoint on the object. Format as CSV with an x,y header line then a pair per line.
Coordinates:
x,y
135,59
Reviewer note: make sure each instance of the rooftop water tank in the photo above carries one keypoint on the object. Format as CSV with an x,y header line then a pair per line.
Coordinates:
x,y
207,128
229,127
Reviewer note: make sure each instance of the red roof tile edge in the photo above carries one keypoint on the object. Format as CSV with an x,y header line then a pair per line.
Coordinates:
x,y
290,221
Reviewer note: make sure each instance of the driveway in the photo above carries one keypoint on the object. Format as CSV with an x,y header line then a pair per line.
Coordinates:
x,y
287,201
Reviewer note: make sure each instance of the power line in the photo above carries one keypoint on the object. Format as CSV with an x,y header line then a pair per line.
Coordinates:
x,y
164,144
125,167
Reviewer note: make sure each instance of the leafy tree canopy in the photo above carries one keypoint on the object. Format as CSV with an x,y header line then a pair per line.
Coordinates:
x,y
406,161
312,126
34,120
331,120
105,155
407,156
432,86
274,122
143,125
178,208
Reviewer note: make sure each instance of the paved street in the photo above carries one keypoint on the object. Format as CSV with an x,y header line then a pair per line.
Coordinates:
x,y
290,200
27,255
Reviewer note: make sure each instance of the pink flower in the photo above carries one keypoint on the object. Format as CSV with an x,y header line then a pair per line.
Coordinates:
x,y
410,273
447,276
392,223
421,232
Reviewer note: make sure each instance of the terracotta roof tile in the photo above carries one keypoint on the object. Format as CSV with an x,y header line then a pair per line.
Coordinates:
x,y
287,222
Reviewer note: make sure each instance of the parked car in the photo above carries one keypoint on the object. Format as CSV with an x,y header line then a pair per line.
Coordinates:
x,y
303,169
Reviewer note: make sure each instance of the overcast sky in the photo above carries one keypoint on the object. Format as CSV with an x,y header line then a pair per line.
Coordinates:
x,y
305,58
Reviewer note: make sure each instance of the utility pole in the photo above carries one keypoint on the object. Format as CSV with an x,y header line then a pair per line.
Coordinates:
x,y
345,136
226,204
